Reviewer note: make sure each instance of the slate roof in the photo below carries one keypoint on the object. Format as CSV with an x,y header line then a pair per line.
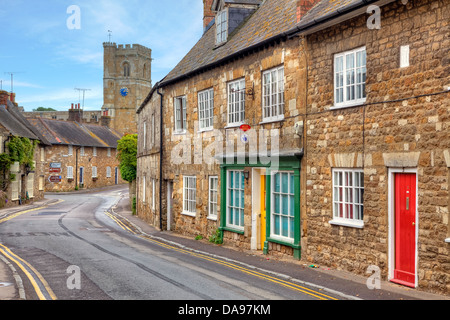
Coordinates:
x,y
13,120
272,18
59,132
272,21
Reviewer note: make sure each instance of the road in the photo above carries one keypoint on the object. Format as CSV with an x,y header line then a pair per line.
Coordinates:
x,y
76,250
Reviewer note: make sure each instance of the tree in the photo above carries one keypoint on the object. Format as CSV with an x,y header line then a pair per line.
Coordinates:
x,y
43,109
127,155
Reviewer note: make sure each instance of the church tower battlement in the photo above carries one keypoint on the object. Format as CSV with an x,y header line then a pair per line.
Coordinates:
x,y
126,83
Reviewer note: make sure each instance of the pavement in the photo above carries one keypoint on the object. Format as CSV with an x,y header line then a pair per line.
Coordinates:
x,y
346,285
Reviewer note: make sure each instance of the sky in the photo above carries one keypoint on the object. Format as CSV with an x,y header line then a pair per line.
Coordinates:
x,y
55,46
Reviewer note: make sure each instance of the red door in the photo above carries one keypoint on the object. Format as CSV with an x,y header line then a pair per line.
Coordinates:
x,y
405,229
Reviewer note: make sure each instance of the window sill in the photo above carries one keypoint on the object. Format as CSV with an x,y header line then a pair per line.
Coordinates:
x,y
234,229
348,105
233,125
179,133
190,214
281,240
205,130
348,223
212,218
447,240
272,120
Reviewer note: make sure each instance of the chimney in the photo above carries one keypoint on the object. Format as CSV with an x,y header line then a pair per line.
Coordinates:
x,y
105,120
208,14
75,114
303,6
13,97
4,97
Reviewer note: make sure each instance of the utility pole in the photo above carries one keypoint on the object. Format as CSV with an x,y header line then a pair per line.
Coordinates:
x,y
84,92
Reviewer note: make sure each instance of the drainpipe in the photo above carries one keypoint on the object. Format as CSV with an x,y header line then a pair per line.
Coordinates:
x,y
160,157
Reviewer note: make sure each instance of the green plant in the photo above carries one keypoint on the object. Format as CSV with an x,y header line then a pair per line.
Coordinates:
x,y
216,238
21,150
199,237
134,206
127,155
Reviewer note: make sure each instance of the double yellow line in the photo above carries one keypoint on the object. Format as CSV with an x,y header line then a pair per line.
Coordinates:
x,y
284,283
43,290
40,285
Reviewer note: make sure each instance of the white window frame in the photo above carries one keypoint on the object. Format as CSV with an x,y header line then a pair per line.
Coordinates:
x,y
108,172
153,194
153,130
348,197
190,195
180,114
15,183
94,172
232,190
144,189
94,151
30,185
70,150
236,102
289,217
213,195
206,109
347,88
108,152
82,152
273,101
145,135
69,172
41,183
222,26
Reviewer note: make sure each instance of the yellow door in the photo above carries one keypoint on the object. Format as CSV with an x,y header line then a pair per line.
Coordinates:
x,y
263,211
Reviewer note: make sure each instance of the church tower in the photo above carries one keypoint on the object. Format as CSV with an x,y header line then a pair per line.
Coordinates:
x,y
126,83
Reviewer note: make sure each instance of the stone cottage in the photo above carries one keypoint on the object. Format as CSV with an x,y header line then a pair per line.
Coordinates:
x,y
80,156
312,129
231,142
20,182
377,139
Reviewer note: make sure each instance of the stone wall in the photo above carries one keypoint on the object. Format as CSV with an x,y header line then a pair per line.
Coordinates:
x,y
60,154
192,153
405,123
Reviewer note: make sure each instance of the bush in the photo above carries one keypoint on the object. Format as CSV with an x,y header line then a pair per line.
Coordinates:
x,y
216,238
134,206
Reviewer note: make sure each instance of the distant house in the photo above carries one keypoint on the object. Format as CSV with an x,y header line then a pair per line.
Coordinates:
x,y
19,182
80,156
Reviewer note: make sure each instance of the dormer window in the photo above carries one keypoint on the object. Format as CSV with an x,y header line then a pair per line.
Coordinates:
x,y
221,26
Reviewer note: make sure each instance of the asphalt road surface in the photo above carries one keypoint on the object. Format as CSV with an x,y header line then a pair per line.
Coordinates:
x,y
76,250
